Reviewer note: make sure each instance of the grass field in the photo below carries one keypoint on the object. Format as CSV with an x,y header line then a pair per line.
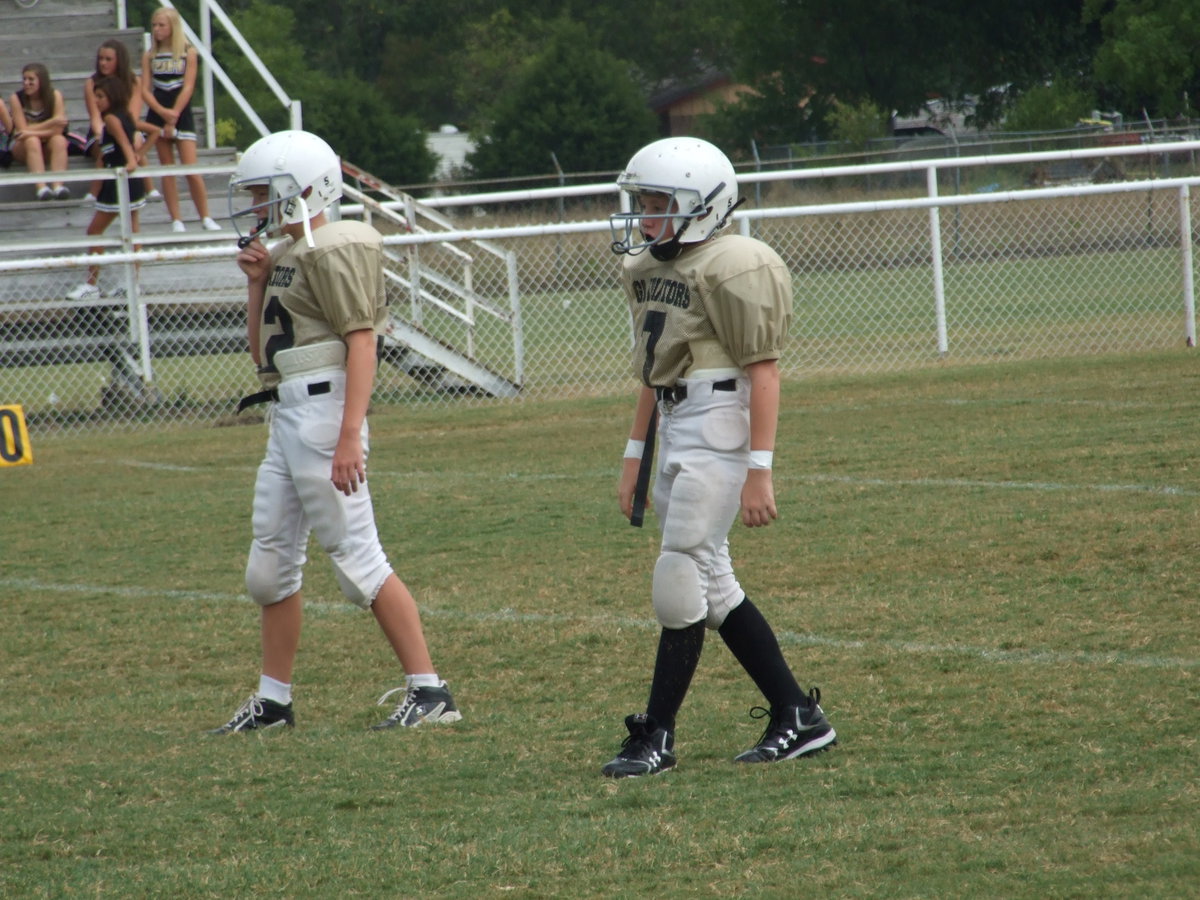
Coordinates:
x,y
990,572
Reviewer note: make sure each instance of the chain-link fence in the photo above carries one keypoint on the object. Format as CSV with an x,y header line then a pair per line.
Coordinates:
x,y
497,298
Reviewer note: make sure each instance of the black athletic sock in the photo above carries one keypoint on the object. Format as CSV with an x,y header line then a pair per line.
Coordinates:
x,y
678,655
754,645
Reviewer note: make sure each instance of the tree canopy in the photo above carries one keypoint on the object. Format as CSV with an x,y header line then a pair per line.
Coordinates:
x,y
1150,53
351,114
571,105
896,55
574,77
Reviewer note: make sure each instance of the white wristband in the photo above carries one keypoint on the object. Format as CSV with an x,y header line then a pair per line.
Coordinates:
x,y
761,459
635,449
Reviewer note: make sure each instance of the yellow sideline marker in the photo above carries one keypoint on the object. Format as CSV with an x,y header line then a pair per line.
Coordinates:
x,y
14,437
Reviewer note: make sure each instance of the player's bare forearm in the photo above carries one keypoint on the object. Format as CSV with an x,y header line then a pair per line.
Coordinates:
x,y
758,493
255,262
360,377
764,403
349,460
646,407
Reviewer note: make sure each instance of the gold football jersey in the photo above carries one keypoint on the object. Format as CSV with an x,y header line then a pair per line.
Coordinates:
x,y
732,288
323,292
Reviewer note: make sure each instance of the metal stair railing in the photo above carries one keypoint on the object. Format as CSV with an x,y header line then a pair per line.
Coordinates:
x,y
428,288
203,44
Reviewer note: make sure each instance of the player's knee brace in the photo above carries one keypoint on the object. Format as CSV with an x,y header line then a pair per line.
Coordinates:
x,y
360,578
677,592
269,576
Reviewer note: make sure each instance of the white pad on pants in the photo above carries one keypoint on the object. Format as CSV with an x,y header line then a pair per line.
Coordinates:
x,y
703,452
678,595
294,496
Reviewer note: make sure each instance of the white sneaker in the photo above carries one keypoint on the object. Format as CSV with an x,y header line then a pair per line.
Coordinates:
x,y
210,224
154,196
44,193
85,292
178,227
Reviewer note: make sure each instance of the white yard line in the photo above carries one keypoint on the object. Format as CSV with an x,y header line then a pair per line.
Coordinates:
x,y
1166,490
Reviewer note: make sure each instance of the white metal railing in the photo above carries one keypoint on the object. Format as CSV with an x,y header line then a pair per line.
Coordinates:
x,y
125,251
934,202
462,302
28,251
862,265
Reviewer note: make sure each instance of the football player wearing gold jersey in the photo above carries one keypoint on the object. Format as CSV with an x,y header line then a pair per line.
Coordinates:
x,y
711,312
317,308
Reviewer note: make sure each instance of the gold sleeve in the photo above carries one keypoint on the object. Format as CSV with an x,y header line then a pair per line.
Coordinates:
x,y
347,279
748,296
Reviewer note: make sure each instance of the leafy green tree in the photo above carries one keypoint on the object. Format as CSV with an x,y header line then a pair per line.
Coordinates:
x,y
1150,54
665,42
1049,107
260,24
138,12
492,53
572,102
421,69
353,115
858,124
768,115
447,62
896,55
359,123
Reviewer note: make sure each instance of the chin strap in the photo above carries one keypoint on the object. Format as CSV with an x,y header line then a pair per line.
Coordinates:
x,y
307,228
248,239
667,250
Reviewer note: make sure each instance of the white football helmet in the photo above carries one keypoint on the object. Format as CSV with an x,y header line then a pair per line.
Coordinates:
x,y
701,187
304,176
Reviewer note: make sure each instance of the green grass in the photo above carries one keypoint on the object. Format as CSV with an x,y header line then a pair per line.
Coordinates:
x,y
990,571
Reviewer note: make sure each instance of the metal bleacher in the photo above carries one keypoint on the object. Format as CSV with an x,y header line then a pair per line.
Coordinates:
x,y
64,35
188,297
37,329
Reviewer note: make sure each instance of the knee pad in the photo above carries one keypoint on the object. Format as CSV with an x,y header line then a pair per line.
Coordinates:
x,y
270,576
677,591
360,575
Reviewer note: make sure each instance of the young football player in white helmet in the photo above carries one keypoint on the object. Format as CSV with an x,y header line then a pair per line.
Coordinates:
x,y
711,313
317,308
